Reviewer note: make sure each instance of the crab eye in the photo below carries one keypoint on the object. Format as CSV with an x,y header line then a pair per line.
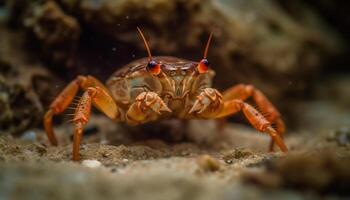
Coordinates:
x,y
153,67
203,66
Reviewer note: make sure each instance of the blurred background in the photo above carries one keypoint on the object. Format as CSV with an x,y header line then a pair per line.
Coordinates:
x,y
295,51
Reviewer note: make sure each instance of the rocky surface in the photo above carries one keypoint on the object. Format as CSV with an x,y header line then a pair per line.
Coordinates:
x,y
23,83
56,31
264,43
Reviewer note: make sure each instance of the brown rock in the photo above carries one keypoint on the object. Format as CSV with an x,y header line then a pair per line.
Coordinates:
x,y
57,32
265,43
207,163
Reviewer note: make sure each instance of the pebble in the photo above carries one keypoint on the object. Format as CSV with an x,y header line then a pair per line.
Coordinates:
x,y
29,136
92,163
342,136
207,163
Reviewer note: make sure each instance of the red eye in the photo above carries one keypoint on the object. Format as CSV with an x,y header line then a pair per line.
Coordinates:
x,y
153,67
203,66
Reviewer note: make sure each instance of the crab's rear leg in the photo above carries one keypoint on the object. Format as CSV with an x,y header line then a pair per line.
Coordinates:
x,y
95,93
243,92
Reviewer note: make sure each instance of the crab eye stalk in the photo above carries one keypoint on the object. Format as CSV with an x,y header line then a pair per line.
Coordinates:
x,y
153,67
203,66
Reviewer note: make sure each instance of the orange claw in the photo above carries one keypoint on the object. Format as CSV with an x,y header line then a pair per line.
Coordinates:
x,y
147,107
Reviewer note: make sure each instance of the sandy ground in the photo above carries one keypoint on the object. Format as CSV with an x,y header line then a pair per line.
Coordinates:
x,y
231,165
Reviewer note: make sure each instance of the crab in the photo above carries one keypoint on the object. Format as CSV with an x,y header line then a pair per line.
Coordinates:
x,y
161,87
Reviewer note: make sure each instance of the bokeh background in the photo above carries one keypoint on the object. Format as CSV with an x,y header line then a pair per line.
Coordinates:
x,y
295,51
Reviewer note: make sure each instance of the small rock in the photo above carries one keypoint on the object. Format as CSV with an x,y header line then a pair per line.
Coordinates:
x,y
321,172
106,154
229,156
29,136
208,164
92,163
342,136
40,149
229,161
114,170
267,180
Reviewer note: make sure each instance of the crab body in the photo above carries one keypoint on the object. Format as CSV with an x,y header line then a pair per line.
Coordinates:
x,y
177,85
153,88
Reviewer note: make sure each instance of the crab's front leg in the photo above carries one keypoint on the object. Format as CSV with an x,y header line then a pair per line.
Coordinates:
x,y
147,107
95,93
209,104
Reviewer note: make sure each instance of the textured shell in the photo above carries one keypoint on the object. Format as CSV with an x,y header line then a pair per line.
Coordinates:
x,y
129,81
140,65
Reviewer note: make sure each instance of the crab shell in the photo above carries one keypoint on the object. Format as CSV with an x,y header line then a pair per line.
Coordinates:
x,y
178,83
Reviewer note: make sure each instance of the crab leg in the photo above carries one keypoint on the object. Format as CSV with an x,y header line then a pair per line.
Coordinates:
x,y
209,104
94,93
60,103
101,100
244,92
255,118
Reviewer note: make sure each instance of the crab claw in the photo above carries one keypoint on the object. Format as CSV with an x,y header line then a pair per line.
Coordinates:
x,y
209,98
198,106
159,106
153,101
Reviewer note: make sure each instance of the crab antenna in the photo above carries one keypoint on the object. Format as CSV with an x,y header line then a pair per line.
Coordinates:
x,y
145,42
207,46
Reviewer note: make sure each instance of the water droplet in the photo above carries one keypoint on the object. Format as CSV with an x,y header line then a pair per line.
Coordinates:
x,y
133,55
127,17
114,49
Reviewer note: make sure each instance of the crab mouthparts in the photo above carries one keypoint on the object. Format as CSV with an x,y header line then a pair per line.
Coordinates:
x,y
179,90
